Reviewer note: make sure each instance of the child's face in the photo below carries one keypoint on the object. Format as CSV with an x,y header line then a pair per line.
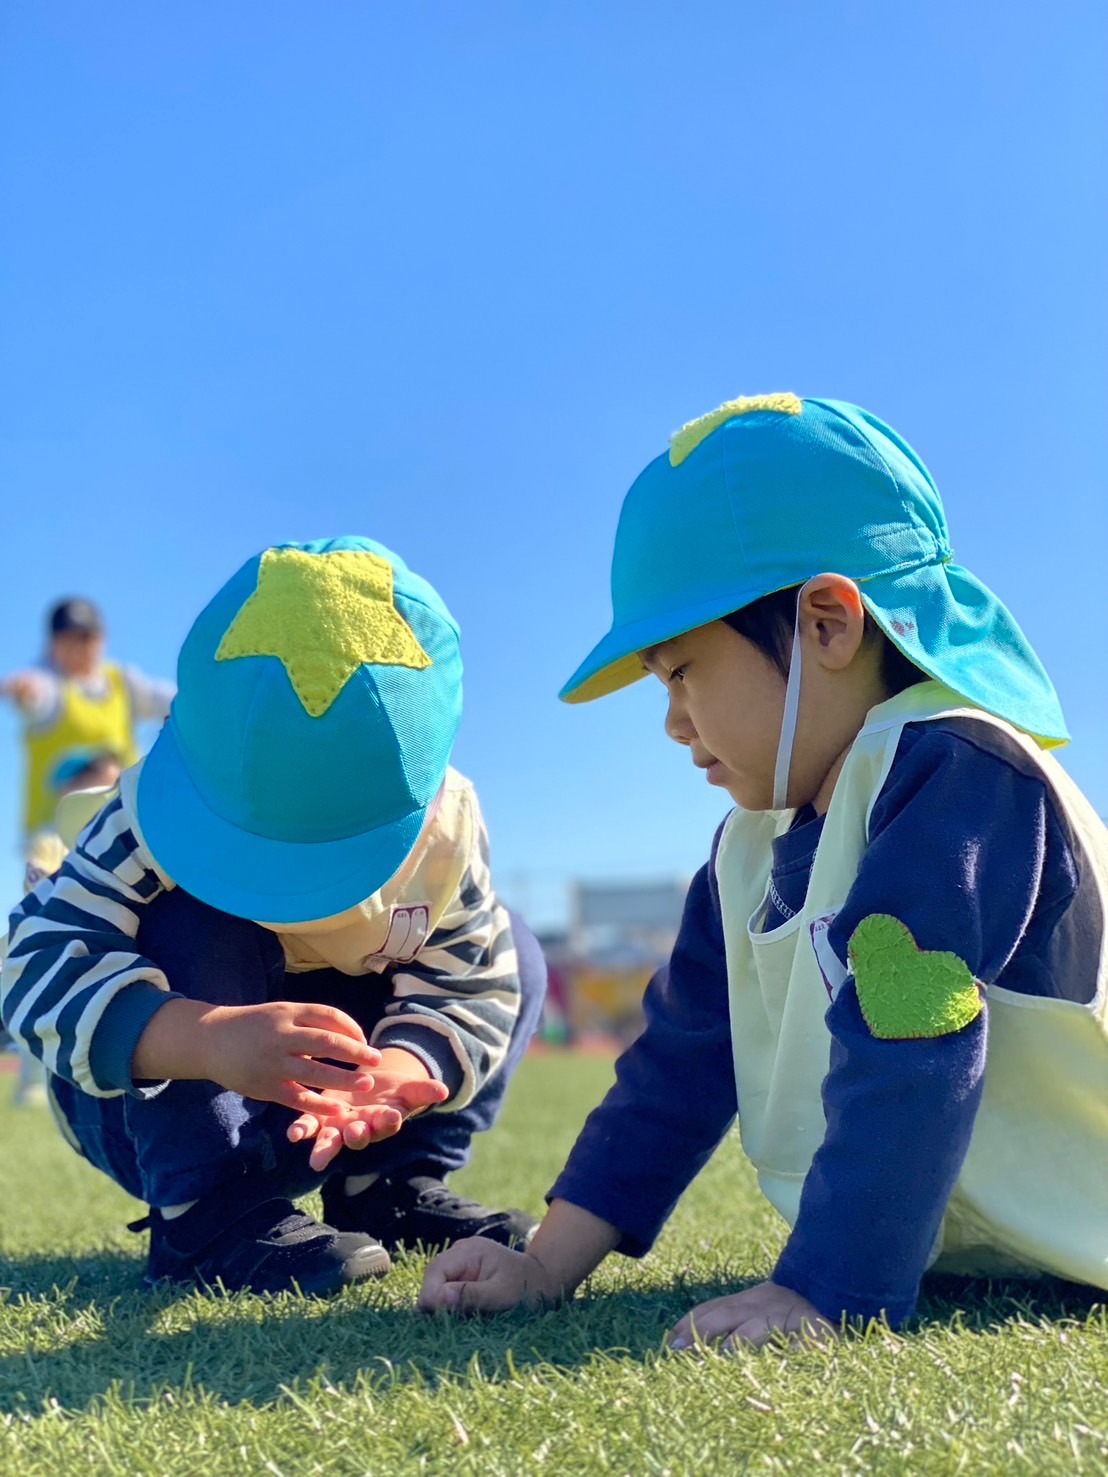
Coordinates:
x,y
77,654
726,701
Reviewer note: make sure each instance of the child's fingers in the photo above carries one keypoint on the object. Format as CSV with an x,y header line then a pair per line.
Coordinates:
x,y
356,1135
713,1325
423,1094
312,1073
356,1129
438,1290
726,1316
463,1262
337,1022
361,1090
806,1326
444,1299
707,1325
328,1142
304,1127
382,1122
311,1041
680,1335
299,1099
752,1333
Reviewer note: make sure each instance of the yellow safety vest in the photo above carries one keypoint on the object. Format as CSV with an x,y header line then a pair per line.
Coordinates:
x,y
1033,1192
82,722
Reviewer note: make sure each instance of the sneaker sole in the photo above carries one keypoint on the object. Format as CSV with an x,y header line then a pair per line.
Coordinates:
x,y
366,1263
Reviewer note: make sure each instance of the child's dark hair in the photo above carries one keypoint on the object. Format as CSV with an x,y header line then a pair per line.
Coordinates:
x,y
768,624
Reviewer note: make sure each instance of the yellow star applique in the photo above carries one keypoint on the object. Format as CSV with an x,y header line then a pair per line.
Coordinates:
x,y
323,616
685,441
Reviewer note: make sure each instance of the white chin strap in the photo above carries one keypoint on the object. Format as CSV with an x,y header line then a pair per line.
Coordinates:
x,y
789,717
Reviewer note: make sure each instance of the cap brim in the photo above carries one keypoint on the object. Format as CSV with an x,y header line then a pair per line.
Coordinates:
x,y
254,876
614,661
941,617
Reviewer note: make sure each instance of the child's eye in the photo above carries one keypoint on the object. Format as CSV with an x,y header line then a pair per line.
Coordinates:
x,y
678,673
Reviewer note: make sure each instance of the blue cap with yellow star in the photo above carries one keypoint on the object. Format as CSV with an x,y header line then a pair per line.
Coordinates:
x,y
318,698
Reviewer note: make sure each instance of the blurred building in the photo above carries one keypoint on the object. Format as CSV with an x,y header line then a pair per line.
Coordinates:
x,y
618,935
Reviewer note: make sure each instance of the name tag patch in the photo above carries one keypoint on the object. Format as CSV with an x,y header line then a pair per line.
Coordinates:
x,y
408,930
833,970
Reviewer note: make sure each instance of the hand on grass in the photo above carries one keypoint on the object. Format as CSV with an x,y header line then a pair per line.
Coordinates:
x,y
753,1316
480,1276
402,1086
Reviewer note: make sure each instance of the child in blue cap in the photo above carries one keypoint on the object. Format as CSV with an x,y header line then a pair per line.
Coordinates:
x,y
893,969
277,947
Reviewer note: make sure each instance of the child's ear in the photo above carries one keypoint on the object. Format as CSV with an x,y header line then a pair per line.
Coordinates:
x,y
833,618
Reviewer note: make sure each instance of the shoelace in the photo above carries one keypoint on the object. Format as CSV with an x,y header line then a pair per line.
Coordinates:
x,y
436,1195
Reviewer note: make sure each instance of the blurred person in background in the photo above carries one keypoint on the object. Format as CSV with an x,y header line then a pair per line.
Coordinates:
x,y
80,784
79,713
75,701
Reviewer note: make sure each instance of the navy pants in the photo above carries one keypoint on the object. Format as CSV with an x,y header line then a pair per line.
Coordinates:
x,y
194,1139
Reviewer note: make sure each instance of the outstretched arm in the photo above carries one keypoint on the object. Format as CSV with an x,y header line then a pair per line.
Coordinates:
x,y
672,1102
32,692
674,1094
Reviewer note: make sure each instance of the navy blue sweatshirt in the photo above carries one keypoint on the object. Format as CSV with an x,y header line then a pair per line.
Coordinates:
x,y
967,848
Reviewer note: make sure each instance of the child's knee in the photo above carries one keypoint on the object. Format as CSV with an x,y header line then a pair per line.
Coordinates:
x,y
96,1129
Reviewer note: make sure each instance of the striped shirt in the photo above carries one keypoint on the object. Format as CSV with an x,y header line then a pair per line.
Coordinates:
x,y
78,995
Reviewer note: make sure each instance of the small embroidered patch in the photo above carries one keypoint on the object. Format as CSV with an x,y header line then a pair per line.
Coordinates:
x,y
323,616
834,972
906,991
408,929
685,441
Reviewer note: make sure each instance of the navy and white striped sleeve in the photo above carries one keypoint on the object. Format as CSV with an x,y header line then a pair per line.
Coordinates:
x,y
73,990
455,1006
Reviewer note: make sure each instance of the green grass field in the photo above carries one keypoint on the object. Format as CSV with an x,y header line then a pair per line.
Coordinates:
x,y
98,1377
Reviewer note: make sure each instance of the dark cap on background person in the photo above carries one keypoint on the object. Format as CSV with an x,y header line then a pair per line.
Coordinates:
x,y
75,614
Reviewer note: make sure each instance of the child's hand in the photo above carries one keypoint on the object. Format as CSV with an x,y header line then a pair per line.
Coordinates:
x,y
753,1317
480,1276
402,1086
22,687
271,1052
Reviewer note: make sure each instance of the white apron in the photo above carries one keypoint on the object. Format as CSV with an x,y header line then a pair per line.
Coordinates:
x,y
1033,1192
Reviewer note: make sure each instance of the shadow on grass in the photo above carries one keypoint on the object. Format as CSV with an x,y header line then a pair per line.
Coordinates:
x,y
77,1281
986,1304
94,1330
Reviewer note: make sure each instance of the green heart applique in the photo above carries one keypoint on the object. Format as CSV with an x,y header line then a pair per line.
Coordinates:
x,y
906,991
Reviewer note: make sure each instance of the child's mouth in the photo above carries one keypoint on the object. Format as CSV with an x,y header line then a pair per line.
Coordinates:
x,y
713,771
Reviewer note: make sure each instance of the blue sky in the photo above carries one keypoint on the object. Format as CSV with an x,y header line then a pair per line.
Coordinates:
x,y
449,274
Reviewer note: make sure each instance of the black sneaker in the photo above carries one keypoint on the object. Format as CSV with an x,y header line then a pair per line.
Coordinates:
x,y
272,1247
421,1210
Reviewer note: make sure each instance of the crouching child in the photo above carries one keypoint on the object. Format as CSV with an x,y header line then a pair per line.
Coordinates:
x,y
274,961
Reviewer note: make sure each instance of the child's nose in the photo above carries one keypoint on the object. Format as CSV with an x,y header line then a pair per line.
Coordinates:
x,y
678,727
